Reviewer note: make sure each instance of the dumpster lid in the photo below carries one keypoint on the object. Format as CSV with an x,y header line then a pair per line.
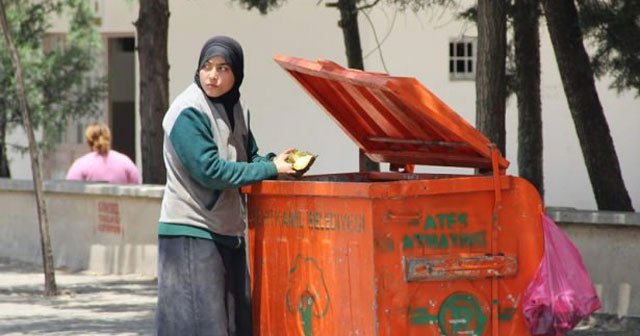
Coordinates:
x,y
392,119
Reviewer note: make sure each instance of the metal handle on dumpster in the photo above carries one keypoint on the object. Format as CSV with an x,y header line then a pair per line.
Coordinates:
x,y
469,267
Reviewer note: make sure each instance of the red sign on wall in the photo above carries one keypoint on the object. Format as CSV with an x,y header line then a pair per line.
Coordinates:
x,y
109,217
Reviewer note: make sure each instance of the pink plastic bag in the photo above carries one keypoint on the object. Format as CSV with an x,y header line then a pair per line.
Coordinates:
x,y
561,292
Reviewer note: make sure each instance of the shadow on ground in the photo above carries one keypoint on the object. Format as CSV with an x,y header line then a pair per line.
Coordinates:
x,y
87,304
609,325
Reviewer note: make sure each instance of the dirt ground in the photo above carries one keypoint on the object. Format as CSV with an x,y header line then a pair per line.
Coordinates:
x,y
92,304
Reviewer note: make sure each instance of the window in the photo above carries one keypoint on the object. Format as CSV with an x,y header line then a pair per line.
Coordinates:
x,y
97,9
462,58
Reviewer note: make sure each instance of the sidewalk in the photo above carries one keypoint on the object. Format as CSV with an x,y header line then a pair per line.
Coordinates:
x,y
93,304
89,304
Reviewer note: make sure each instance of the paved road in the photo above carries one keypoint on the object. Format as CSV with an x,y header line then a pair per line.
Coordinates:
x,y
97,305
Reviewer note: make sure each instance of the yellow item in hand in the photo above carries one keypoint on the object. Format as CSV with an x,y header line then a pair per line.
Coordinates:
x,y
301,160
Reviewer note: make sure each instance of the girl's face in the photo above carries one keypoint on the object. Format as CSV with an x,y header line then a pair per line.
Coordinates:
x,y
216,77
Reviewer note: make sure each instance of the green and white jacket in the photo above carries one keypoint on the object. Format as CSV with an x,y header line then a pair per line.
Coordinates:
x,y
206,164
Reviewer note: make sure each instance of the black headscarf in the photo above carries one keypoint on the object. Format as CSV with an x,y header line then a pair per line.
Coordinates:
x,y
231,51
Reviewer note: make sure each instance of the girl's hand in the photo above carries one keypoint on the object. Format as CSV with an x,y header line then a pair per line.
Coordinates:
x,y
282,165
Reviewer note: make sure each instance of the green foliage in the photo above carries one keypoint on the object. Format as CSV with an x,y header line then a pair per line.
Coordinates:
x,y
419,5
470,14
58,80
613,27
264,6
261,5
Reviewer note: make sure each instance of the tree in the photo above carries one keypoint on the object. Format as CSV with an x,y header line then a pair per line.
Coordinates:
x,y
45,240
526,35
4,160
615,29
153,29
350,31
523,79
591,125
58,81
351,34
490,71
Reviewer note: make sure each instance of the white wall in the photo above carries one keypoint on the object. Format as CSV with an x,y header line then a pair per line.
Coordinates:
x,y
112,16
110,229
417,46
19,162
101,228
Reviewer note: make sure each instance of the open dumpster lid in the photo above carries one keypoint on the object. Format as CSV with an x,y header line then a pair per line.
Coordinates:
x,y
393,119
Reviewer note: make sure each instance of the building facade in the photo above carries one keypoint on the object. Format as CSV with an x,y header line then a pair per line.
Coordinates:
x,y
431,46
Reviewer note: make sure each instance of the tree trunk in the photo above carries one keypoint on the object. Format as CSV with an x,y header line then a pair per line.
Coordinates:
x,y
4,160
50,287
527,55
588,117
351,34
490,75
152,27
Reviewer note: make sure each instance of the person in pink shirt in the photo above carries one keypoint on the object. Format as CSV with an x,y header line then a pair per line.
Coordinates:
x,y
103,164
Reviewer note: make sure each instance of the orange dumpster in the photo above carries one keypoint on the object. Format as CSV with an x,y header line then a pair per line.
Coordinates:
x,y
398,252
